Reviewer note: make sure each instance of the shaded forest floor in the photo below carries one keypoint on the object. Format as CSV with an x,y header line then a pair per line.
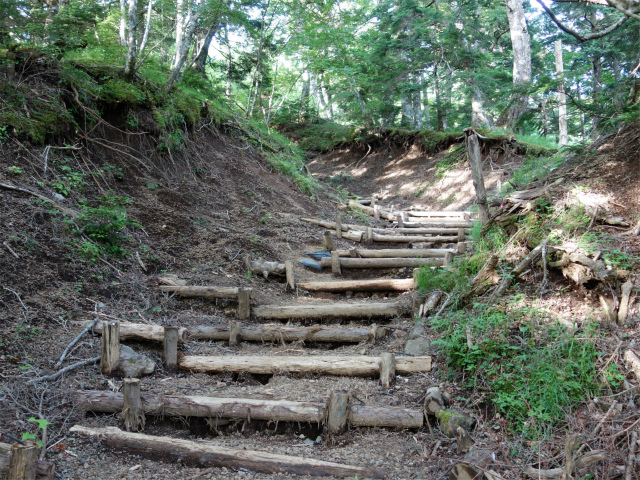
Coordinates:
x,y
198,213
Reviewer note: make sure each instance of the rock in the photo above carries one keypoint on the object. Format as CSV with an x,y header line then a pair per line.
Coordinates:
x,y
308,441
133,364
433,401
417,331
462,471
417,346
451,419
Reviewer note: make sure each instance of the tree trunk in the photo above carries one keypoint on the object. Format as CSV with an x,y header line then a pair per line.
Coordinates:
x,y
475,161
440,122
521,44
384,285
180,26
227,91
132,41
44,470
479,117
201,59
122,30
147,26
185,43
562,101
304,96
208,455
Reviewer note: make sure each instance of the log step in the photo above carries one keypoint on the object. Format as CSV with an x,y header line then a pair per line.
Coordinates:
x,y
341,310
376,285
436,229
250,409
206,454
361,366
347,262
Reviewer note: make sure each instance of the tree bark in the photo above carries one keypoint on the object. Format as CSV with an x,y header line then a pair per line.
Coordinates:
x,y
475,161
562,100
345,310
205,454
396,252
325,364
23,463
346,262
200,62
132,411
44,470
387,369
521,45
182,48
132,40
171,348
205,292
110,348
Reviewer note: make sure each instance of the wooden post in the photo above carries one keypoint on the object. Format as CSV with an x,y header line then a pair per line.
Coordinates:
x,y
244,306
400,217
368,236
475,160
448,258
376,212
562,100
353,252
288,267
235,335
338,226
387,369
132,411
335,263
110,348
373,202
24,461
416,272
337,412
171,348
461,235
328,241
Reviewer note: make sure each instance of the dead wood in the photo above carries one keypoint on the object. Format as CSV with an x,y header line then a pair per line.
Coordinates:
x,y
486,277
623,310
74,341
359,285
264,267
519,269
64,370
44,470
206,454
201,291
346,310
66,210
634,363
557,473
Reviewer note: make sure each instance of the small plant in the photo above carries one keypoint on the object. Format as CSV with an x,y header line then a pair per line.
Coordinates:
x,y
254,239
265,219
15,170
249,273
42,427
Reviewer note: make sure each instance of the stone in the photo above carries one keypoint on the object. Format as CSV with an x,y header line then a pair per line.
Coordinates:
x,y
451,419
417,331
134,365
417,346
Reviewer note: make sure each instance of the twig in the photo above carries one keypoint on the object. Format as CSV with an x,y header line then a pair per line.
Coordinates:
x,y
19,299
10,250
59,373
74,341
41,197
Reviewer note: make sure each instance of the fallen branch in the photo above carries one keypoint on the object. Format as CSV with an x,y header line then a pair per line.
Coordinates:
x,y
557,473
73,342
59,373
66,210
634,363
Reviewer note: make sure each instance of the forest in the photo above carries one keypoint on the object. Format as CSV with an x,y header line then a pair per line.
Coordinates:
x,y
315,239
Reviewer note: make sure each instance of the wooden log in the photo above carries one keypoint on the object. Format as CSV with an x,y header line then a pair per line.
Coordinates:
x,y
417,222
400,220
634,363
442,213
387,369
396,252
413,238
246,408
328,241
132,411
338,226
384,284
430,229
335,263
331,365
461,235
623,310
171,348
23,462
372,202
420,231
235,334
110,348
431,302
356,236
337,413
205,454
376,212
345,310
386,214
366,416
448,258
264,267
259,333
558,473
462,247
291,282
140,331
44,470
244,303
346,262
204,292
368,237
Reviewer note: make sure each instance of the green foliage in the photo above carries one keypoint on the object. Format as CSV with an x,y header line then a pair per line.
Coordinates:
x,y
42,425
537,372
15,170
454,154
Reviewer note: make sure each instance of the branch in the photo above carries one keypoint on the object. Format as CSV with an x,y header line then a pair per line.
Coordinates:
x,y
59,373
622,8
585,37
74,341
66,210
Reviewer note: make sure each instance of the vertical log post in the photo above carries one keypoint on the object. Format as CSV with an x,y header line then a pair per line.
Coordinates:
x,y
291,282
623,310
448,258
475,161
368,240
416,272
328,241
110,348
373,202
335,263
337,412
235,335
400,219
387,369
338,226
244,303
171,348
376,212
132,412
461,235
23,462
562,99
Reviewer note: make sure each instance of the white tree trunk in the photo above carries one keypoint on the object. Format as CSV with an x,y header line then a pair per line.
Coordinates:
x,y
562,101
123,22
521,45
147,25
132,40
180,25
478,115
182,54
